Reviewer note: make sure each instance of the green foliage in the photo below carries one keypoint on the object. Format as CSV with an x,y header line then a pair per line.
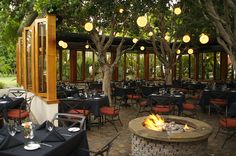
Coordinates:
x,y
1,85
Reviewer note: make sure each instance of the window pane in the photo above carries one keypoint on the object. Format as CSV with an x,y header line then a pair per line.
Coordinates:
x,y
141,66
42,57
200,68
230,69
131,66
29,58
208,60
158,69
79,65
185,66
151,66
88,65
217,64
65,64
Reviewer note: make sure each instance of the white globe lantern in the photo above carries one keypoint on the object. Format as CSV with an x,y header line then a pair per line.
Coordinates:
x,y
135,40
204,39
190,51
88,26
142,48
177,11
178,51
142,21
186,38
65,45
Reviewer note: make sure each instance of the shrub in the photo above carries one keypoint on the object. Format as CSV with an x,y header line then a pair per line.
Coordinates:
x,y
1,85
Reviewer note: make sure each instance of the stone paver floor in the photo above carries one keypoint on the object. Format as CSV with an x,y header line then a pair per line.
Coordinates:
x,y
97,137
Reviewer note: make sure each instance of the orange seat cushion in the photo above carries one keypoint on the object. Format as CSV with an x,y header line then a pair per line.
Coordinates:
x,y
79,111
133,96
109,111
162,109
143,103
228,122
189,106
195,97
220,102
17,114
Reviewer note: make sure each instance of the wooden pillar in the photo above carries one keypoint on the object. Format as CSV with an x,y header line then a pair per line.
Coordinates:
x,y
51,58
189,65
155,64
223,65
180,67
73,64
146,65
196,66
115,71
203,67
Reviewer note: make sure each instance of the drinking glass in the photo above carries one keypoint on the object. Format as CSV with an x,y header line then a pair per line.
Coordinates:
x,y
49,126
28,132
11,127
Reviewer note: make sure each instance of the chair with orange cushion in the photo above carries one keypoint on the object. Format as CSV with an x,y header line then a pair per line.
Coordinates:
x,y
189,109
111,114
134,96
143,106
227,124
76,107
21,113
217,103
162,105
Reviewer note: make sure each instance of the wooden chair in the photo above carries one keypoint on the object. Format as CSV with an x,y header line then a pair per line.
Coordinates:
x,y
69,120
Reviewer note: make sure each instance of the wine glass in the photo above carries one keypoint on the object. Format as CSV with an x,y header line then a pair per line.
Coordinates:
x,y
49,126
11,127
28,132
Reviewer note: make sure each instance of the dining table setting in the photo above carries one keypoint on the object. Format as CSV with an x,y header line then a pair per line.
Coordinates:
x,y
30,139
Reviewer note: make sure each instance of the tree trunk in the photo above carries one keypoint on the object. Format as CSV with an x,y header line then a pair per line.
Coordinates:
x,y
168,76
107,82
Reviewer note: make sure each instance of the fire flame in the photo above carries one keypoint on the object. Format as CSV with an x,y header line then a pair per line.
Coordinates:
x,y
186,127
154,122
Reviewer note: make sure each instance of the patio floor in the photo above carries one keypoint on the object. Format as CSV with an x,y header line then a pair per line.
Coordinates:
x,y
97,137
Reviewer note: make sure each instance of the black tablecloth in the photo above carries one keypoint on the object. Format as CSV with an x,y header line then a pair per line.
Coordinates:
x,y
178,100
71,147
209,94
92,104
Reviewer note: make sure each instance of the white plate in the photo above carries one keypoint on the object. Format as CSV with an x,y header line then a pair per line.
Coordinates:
x,y
32,146
96,98
70,97
177,95
73,129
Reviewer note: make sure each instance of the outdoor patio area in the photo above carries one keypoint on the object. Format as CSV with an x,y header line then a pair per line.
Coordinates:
x,y
97,137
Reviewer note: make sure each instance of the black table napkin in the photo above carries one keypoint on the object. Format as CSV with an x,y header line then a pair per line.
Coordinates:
x,y
53,136
9,142
42,126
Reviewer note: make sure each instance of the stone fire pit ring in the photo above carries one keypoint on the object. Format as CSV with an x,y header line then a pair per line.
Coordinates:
x,y
201,130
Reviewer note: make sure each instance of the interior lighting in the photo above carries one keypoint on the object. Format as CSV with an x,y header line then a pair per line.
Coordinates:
x,y
60,43
141,21
177,11
204,39
65,45
88,26
190,51
186,38
86,46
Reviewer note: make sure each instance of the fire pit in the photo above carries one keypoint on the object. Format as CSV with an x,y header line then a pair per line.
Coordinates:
x,y
147,142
